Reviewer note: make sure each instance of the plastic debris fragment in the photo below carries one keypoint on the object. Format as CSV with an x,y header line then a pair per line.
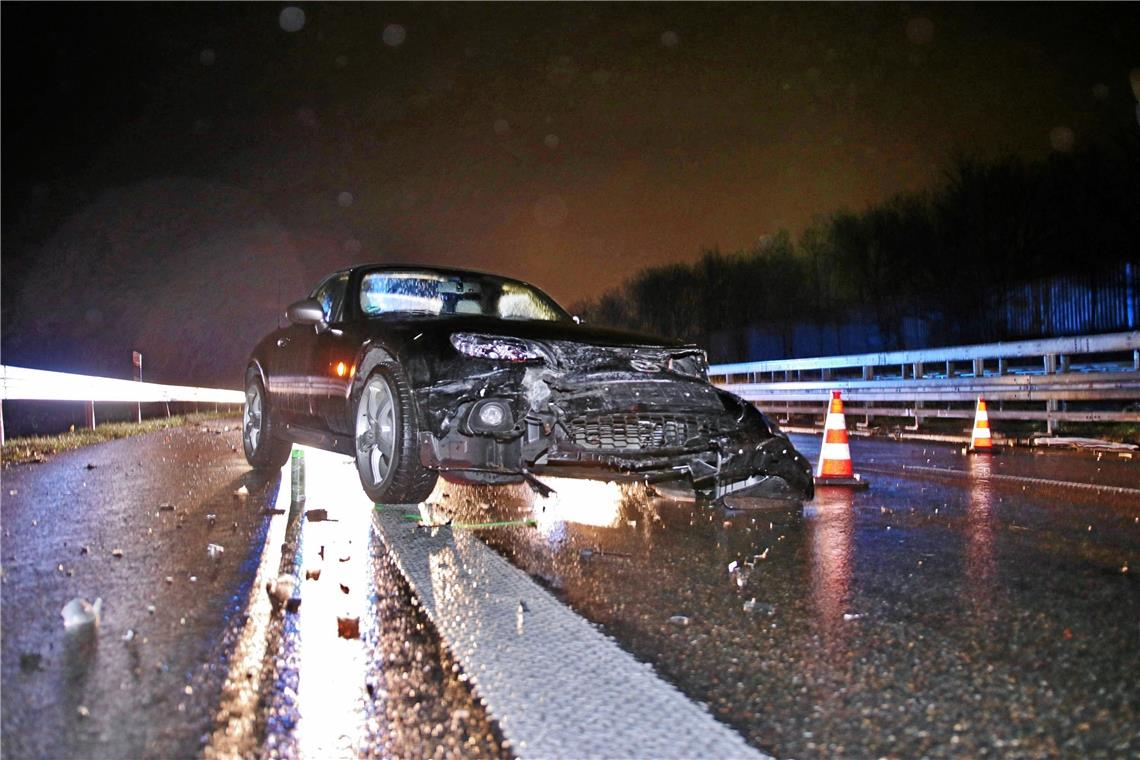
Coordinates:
x,y
79,613
348,627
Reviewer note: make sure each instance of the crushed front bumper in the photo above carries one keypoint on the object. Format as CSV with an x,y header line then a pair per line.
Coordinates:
x,y
623,428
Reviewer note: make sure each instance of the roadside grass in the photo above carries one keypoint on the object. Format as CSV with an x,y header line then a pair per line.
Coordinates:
x,y
38,447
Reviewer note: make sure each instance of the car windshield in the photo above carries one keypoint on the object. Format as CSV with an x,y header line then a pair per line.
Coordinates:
x,y
441,294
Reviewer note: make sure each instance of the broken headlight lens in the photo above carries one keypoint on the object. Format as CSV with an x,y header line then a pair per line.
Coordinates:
x,y
494,347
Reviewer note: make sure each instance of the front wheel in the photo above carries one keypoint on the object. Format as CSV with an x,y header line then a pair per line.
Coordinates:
x,y
263,449
387,433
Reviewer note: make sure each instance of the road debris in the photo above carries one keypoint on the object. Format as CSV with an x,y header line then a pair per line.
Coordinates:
x,y
129,635
214,551
679,620
280,589
31,661
242,493
82,711
79,613
165,507
849,616
313,574
117,553
348,627
318,515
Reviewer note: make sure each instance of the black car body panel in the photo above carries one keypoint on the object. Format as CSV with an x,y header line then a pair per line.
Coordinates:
x,y
584,402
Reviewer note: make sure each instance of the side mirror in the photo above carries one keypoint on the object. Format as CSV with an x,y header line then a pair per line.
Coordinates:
x,y
306,312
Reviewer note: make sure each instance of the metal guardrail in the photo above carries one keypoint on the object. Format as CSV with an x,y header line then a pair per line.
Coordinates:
x,y
22,383
1051,372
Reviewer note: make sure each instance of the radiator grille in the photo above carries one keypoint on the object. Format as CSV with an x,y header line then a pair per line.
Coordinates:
x,y
639,431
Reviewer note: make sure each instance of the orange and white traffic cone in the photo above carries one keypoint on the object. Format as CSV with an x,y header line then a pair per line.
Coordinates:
x,y
980,439
835,467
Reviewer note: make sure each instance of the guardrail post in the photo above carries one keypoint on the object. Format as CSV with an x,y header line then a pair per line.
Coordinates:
x,y
90,414
868,372
949,369
979,367
1002,368
1050,408
1064,363
1136,360
918,371
1050,364
825,374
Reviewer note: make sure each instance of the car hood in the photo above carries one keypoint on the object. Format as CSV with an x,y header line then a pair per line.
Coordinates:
x,y
443,327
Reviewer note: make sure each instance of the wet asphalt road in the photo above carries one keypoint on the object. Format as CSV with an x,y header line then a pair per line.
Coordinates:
x,y
212,669
926,617
956,616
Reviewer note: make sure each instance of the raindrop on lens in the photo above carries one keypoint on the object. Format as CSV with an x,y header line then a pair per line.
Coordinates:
x,y
394,35
292,19
1062,139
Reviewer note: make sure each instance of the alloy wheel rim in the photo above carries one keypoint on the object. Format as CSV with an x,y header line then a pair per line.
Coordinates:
x,y
253,416
376,429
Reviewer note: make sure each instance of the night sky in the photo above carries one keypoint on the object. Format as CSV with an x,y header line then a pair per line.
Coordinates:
x,y
173,174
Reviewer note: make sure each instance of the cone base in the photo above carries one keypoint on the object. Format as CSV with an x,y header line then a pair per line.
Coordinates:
x,y
855,483
983,450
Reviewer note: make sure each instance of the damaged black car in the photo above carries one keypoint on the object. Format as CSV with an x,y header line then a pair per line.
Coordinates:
x,y
418,372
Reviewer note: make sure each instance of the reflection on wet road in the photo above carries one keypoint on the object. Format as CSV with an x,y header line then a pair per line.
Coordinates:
x,y
921,617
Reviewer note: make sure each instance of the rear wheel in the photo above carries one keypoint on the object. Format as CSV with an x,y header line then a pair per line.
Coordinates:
x,y
263,449
387,433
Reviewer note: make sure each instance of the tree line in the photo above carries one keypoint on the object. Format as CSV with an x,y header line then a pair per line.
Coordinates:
x,y
942,255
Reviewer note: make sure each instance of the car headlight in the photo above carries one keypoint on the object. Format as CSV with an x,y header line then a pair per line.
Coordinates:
x,y
495,347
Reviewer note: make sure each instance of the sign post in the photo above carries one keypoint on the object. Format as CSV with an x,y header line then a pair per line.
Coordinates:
x,y
136,361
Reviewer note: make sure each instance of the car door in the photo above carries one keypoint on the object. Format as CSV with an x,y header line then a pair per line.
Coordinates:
x,y
327,356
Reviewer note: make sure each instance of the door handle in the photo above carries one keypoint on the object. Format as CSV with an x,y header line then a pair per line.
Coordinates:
x,y
282,342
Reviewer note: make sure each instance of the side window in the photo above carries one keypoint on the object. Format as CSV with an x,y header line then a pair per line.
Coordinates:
x,y
331,295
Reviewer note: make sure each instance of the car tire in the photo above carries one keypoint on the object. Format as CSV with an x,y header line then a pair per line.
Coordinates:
x,y
386,440
263,449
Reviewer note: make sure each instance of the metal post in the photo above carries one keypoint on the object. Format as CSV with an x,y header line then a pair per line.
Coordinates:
x,y
1136,359
919,372
136,363
1002,368
979,367
1,423
949,369
1064,363
1050,407
868,372
90,414
1050,364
